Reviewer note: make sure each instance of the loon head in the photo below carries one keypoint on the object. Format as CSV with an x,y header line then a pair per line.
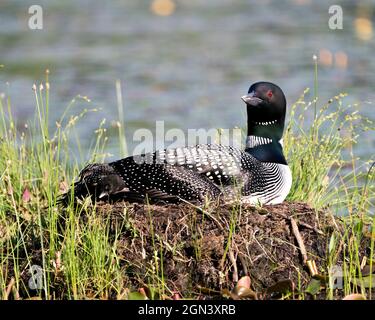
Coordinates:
x,y
266,108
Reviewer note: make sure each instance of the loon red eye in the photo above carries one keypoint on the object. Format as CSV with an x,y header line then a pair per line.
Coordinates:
x,y
269,94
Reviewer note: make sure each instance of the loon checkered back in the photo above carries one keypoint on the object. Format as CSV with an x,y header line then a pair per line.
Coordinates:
x,y
258,174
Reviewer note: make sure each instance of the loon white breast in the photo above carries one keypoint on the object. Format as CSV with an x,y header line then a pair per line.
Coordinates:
x,y
258,174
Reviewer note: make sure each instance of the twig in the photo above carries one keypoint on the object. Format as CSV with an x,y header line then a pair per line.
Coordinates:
x,y
242,260
303,224
312,268
338,252
306,225
299,239
205,213
269,256
234,263
334,222
9,288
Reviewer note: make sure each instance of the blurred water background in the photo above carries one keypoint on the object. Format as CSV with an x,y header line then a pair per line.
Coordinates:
x,y
184,62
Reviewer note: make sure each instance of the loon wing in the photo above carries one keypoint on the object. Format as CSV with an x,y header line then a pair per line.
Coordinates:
x,y
220,164
145,175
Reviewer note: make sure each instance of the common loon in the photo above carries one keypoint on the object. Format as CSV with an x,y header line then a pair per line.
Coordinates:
x,y
257,175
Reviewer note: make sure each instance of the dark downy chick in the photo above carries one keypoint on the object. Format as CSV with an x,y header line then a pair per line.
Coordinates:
x,y
100,181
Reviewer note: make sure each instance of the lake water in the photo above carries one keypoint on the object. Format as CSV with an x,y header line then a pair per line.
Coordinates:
x,y
188,67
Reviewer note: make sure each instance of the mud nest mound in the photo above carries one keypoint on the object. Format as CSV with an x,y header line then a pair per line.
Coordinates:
x,y
205,252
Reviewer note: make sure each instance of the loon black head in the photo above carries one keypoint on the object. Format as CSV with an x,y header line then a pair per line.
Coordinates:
x,y
266,109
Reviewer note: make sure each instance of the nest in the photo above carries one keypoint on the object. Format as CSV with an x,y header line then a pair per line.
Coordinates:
x,y
205,252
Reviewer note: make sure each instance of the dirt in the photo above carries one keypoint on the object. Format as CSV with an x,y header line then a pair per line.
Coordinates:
x,y
203,253
206,253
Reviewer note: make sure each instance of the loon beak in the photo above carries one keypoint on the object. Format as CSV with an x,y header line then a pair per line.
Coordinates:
x,y
249,99
103,194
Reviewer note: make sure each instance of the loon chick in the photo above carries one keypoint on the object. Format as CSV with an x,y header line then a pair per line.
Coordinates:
x,y
260,173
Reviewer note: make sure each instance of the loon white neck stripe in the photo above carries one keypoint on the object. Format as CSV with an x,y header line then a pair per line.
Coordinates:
x,y
254,141
266,123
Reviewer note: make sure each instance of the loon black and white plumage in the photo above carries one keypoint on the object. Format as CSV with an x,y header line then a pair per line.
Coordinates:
x,y
258,175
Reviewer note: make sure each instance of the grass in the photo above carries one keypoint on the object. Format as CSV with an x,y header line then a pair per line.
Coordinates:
x,y
75,250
